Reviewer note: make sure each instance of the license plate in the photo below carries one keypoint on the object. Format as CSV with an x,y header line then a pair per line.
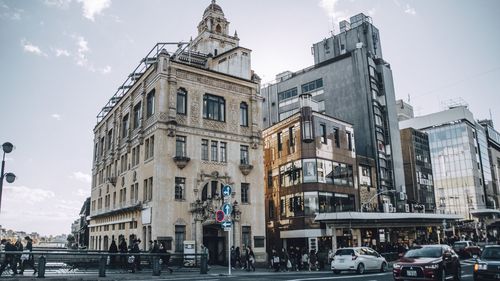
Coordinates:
x,y
411,273
341,261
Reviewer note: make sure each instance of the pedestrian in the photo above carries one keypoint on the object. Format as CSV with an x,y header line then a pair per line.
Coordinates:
x,y
9,259
292,259
330,256
250,258
313,261
123,251
283,260
19,248
238,256
113,249
233,257
28,260
305,260
298,258
275,261
164,256
137,257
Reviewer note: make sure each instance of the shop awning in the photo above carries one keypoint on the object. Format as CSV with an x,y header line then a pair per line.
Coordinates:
x,y
379,220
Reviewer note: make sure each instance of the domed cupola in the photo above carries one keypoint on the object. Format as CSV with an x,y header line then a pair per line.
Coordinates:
x,y
213,8
214,20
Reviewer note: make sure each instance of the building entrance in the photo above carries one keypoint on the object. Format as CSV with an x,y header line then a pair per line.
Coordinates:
x,y
215,242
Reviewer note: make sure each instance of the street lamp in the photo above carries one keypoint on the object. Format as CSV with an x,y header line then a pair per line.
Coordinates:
x,y
9,177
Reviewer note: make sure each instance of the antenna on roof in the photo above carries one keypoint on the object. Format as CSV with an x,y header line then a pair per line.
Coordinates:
x,y
408,98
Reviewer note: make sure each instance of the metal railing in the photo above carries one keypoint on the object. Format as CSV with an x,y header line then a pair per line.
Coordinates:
x,y
54,262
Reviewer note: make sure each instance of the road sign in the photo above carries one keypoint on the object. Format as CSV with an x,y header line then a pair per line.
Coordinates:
x,y
226,190
219,216
227,209
227,224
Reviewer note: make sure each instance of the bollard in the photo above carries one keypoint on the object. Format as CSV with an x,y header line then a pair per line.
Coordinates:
x,y
102,266
41,266
156,266
203,264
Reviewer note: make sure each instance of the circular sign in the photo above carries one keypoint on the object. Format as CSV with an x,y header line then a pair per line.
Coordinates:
x,y
226,190
219,216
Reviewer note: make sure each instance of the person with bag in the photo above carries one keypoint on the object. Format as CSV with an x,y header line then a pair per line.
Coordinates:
x,y
283,260
19,248
9,259
305,260
164,256
250,259
275,261
123,251
113,249
27,259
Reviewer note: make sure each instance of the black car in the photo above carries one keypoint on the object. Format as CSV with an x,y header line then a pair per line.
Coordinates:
x,y
487,267
428,262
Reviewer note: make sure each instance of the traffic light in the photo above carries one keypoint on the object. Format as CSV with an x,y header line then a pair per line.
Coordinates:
x,y
219,216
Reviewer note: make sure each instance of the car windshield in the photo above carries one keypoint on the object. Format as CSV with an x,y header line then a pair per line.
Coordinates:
x,y
344,252
425,252
491,254
460,245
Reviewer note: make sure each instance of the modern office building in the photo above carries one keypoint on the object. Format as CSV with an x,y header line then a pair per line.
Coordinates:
x,y
311,168
350,81
418,171
493,139
460,163
183,124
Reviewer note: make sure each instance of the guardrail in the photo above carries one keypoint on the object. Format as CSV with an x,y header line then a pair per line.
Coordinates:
x,y
84,261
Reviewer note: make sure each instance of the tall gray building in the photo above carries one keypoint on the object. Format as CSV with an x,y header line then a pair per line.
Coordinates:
x,y
460,162
349,81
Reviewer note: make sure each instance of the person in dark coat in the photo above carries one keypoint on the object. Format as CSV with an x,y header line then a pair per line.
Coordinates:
x,y
113,249
250,258
137,258
165,256
123,250
30,261
9,259
19,248
237,255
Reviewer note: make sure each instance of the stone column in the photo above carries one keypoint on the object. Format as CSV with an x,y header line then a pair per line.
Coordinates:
x,y
334,237
198,232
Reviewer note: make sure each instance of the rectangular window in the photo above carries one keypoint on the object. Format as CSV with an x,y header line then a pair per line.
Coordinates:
x,y
180,236
150,104
244,157
311,86
151,146
109,139
280,142
204,150
336,137
150,189
223,152
270,206
349,141
180,184
214,107
145,191
322,128
137,115
270,179
291,141
246,235
310,170
287,94
244,114
181,101
245,192
180,146
125,126
214,151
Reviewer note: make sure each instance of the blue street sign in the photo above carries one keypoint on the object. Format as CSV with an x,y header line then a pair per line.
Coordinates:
x,y
226,224
227,209
226,190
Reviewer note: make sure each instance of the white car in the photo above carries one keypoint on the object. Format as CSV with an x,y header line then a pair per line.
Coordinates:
x,y
358,259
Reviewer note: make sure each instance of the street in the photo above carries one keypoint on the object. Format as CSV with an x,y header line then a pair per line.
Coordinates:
x,y
221,274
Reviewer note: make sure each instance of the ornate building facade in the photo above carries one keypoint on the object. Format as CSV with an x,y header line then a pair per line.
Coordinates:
x,y
183,124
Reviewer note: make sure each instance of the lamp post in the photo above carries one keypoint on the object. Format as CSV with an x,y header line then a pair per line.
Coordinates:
x,y
9,177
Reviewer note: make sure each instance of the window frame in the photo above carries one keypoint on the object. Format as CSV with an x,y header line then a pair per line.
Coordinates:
x,y
214,108
180,142
244,114
182,95
150,103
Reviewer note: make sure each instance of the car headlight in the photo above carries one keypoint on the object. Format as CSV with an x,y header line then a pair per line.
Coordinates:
x,y
396,266
432,266
480,266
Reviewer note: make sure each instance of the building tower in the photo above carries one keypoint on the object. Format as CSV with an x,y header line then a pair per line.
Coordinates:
x,y
183,124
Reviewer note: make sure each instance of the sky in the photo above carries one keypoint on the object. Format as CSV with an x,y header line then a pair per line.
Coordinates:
x,y
62,60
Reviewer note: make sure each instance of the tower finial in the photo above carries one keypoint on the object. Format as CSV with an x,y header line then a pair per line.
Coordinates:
x,y
213,1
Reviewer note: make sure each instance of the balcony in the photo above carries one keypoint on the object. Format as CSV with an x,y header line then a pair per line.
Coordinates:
x,y
181,161
245,169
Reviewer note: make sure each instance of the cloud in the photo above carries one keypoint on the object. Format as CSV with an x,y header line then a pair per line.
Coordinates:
x,y
56,116
23,194
81,56
62,52
61,4
30,48
10,13
332,10
86,178
105,70
410,10
83,193
372,12
94,7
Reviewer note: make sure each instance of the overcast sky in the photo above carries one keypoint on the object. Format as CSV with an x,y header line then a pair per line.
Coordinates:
x,y
62,60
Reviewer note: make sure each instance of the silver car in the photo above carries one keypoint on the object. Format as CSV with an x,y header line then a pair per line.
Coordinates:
x,y
358,259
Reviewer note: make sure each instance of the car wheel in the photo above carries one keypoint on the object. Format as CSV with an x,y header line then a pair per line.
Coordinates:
x,y
336,271
361,269
458,274
383,267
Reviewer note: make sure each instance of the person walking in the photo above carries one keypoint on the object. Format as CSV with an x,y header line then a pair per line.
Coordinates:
x,y
19,248
9,259
136,265
275,261
123,251
313,261
238,257
113,249
283,259
250,258
305,260
233,257
164,256
29,259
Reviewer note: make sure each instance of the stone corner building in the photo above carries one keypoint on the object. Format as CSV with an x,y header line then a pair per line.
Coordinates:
x,y
182,125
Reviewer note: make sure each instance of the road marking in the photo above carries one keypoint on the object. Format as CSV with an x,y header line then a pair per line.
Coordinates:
x,y
467,275
343,277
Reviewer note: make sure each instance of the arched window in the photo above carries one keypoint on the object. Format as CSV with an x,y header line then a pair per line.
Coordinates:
x,y
218,28
210,190
181,101
244,114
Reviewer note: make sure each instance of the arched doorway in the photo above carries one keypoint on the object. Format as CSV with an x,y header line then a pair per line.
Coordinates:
x,y
214,237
